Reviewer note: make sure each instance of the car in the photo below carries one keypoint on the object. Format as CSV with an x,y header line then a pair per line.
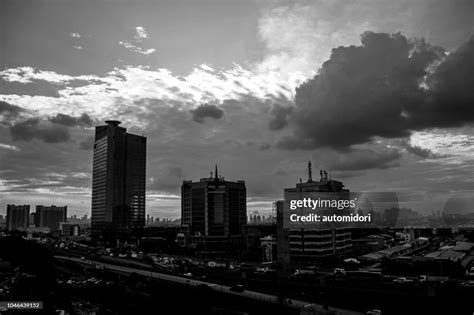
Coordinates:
x,y
188,274
339,271
238,288
402,280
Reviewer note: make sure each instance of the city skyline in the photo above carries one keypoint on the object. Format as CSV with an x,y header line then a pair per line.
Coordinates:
x,y
222,85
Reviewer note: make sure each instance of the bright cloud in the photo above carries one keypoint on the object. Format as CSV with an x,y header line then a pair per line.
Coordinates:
x,y
136,48
452,147
140,33
8,147
131,84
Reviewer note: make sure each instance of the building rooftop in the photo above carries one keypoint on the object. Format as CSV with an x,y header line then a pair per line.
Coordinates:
x,y
114,123
464,246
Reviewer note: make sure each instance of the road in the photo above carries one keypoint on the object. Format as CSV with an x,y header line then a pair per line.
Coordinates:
x,y
307,306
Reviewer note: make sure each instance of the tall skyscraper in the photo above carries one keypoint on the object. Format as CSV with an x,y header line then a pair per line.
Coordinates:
x,y
213,212
17,217
118,183
50,217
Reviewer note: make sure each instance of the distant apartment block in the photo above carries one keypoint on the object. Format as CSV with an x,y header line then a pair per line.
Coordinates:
x,y
17,217
50,217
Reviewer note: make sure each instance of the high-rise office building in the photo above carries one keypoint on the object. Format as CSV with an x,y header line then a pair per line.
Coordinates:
x,y
213,212
118,183
17,217
304,245
50,217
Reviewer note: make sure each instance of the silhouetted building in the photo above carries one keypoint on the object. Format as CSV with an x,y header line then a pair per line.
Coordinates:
x,y
17,217
213,212
50,217
118,183
304,245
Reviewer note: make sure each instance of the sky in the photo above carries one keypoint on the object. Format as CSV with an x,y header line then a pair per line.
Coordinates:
x,y
378,93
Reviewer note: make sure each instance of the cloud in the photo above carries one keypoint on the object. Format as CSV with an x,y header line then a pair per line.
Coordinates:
x,y
365,158
416,149
388,87
450,93
280,117
87,144
140,33
136,48
30,74
9,111
206,111
75,35
67,120
9,147
32,128
449,147
129,84
36,88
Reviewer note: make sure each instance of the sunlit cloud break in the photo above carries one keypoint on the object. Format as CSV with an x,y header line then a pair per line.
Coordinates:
x,y
131,84
4,146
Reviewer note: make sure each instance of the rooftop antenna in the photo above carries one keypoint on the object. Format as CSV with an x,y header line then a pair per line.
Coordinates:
x,y
216,174
310,172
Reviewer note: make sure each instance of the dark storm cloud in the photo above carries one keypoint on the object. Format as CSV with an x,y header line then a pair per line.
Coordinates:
x,y
280,117
416,150
363,159
70,121
33,128
450,100
205,110
387,87
9,110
